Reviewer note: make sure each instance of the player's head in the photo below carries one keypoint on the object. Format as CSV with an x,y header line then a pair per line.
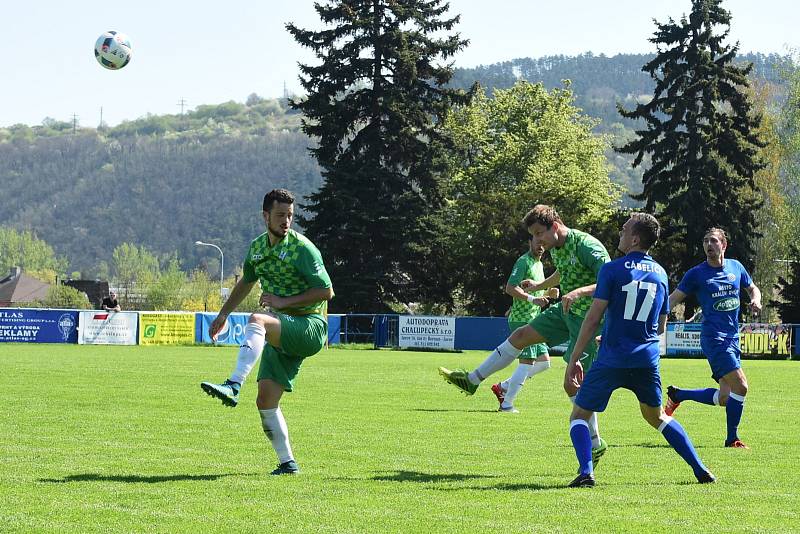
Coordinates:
x,y
715,241
544,225
278,211
640,232
112,294
536,249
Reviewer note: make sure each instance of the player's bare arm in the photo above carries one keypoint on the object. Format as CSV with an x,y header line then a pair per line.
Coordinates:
x,y
310,296
569,298
676,297
755,298
573,377
238,294
551,281
662,324
519,294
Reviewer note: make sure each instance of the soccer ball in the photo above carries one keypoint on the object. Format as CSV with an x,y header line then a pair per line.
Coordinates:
x,y
112,50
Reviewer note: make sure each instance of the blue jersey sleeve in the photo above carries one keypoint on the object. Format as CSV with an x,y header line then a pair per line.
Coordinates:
x,y
605,282
687,284
746,280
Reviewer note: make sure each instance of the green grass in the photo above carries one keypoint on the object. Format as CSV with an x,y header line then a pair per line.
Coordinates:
x,y
123,439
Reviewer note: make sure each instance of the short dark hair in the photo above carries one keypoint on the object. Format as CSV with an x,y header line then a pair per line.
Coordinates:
x,y
715,230
277,195
542,214
646,227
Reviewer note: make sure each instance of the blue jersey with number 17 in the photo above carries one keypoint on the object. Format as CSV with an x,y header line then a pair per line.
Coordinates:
x,y
636,288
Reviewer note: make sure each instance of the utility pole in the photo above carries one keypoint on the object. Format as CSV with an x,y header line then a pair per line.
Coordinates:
x,y
182,103
101,116
74,123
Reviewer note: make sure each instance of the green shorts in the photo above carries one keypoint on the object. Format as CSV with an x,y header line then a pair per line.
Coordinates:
x,y
301,337
532,352
557,328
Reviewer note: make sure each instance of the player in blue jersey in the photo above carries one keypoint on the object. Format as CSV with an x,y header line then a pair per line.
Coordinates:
x,y
717,283
632,294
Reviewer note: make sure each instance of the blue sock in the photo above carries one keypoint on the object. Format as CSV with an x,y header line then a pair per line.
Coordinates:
x,y
733,411
704,396
675,435
582,441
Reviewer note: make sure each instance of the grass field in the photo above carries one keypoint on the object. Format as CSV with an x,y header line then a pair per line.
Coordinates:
x,y
123,439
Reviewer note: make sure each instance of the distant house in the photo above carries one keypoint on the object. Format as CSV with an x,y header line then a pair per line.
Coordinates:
x,y
19,287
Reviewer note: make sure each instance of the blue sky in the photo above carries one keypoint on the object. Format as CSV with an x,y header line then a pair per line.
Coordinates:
x,y
207,52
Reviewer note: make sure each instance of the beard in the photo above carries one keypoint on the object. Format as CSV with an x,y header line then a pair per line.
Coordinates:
x,y
277,231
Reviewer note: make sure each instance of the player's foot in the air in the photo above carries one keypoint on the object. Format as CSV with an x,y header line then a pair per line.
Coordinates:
x,y
599,451
286,468
706,477
583,481
497,389
458,377
227,392
672,403
736,444
507,409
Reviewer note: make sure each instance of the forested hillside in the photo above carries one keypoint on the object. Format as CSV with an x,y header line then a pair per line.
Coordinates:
x,y
164,182
161,182
599,83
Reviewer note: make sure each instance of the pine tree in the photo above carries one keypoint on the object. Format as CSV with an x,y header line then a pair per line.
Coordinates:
x,y
375,105
702,136
789,306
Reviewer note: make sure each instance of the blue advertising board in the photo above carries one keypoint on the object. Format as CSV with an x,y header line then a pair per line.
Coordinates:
x,y
480,333
20,325
231,334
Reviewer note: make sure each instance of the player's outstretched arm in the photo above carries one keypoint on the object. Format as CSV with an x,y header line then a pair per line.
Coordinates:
x,y
574,372
676,297
551,281
518,293
238,294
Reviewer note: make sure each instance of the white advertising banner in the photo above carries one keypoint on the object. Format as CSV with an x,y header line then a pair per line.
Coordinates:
x,y
683,338
427,332
107,328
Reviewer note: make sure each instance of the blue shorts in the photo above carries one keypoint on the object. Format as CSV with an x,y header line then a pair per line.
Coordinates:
x,y
601,381
723,354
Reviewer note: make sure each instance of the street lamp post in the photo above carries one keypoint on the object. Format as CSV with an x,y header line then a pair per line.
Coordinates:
x,y
221,263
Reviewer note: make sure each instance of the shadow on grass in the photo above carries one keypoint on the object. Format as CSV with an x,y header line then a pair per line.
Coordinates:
x,y
456,410
134,479
416,476
654,446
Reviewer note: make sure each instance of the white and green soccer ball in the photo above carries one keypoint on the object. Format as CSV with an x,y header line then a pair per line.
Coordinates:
x,y
112,50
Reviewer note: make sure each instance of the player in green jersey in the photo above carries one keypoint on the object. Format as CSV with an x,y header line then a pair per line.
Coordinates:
x,y
295,288
578,258
534,359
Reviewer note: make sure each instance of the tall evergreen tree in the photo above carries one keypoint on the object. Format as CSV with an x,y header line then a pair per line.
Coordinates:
x,y
789,289
702,136
375,105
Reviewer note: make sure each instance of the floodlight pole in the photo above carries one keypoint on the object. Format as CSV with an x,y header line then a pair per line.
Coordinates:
x,y
221,262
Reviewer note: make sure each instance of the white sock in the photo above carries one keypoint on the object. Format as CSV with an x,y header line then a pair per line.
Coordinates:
x,y
594,431
515,383
500,357
249,351
539,367
277,432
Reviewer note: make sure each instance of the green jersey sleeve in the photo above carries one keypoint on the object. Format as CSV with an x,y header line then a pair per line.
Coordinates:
x,y
592,254
248,270
312,268
520,271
